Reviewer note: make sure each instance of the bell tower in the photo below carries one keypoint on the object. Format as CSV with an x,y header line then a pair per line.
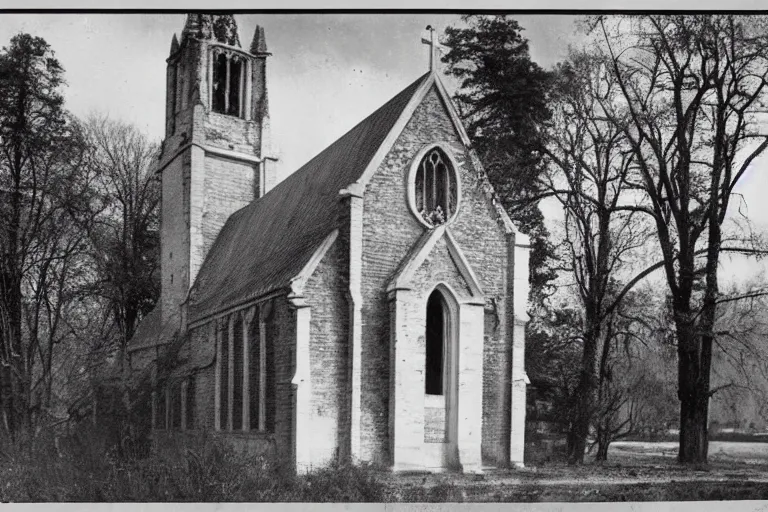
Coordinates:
x,y
216,157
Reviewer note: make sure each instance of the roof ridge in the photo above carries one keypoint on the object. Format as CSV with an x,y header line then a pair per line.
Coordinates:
x,y
307,165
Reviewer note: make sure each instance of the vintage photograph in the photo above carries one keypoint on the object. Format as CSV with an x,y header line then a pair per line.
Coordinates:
x,y
385,256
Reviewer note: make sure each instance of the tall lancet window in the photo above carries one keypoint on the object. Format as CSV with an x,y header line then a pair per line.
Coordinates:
x,y
435,348
435,188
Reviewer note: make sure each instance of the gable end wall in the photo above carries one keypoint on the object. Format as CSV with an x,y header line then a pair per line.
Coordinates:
x,y
389,231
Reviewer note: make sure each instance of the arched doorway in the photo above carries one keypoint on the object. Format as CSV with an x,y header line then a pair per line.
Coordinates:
x,y
440,376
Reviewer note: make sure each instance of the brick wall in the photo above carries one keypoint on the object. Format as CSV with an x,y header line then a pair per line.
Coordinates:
x,y
389,231
140,359
439,267
202,339
233,133
280,327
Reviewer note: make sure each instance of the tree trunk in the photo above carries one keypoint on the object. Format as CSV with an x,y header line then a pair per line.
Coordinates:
x,y
584,398
580,427
603,442
693,392
694,436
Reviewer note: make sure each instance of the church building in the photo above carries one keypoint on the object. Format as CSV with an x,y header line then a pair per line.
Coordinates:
x,y
370,307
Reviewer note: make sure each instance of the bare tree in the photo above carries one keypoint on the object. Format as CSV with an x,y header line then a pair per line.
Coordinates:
x,y
630,384
740,357
693,90
125,234
589,160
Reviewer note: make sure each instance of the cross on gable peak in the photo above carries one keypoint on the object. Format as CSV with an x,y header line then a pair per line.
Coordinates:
x,y
433,47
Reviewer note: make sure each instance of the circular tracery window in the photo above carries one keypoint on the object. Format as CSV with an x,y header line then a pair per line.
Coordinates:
x,y
435,188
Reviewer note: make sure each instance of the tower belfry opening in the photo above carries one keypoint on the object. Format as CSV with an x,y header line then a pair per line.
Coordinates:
x,y
227,94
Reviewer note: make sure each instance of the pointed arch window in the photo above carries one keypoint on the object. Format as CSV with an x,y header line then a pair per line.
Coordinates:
x,y
435,188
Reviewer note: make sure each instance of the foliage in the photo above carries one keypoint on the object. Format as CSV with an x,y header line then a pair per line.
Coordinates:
x,y
45,207
503,102
78,239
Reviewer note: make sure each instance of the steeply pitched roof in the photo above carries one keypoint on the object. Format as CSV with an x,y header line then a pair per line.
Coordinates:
x,y
265,244
151,331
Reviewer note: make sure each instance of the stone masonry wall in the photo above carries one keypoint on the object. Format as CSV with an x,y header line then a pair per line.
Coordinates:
x,y
281,329
202,339
389,231
329,326
229,185
174,239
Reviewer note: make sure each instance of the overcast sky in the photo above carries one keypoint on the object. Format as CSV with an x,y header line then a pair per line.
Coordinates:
x,y
327,72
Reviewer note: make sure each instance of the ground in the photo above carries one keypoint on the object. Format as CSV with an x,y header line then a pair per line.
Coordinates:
x,y
83,468
635,471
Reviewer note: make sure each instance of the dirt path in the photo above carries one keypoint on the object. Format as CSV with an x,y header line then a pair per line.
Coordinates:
x,y
634,472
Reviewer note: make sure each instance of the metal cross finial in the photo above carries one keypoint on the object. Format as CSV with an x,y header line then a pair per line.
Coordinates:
x,y
432,48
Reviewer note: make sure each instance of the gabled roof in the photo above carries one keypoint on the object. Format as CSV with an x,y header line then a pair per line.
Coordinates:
x,y
264,245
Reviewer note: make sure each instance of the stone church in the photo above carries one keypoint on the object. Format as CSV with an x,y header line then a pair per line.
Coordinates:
x,y
369,308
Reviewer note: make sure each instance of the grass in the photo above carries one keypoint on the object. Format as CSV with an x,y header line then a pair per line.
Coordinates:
x,y
85,469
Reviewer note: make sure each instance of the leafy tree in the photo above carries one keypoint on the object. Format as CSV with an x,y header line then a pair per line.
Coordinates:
x,y
44,207
694,92
503,102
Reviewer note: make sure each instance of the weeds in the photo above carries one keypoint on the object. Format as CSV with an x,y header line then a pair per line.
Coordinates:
x,y
39,469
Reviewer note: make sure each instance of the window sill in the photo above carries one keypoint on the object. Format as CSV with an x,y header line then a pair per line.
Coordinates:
x,y
434,401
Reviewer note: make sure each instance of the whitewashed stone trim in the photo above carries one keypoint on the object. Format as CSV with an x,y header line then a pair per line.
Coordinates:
x,y
354,192
298,282
521,288
422,248
302,382
217,376
464,383
470,386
